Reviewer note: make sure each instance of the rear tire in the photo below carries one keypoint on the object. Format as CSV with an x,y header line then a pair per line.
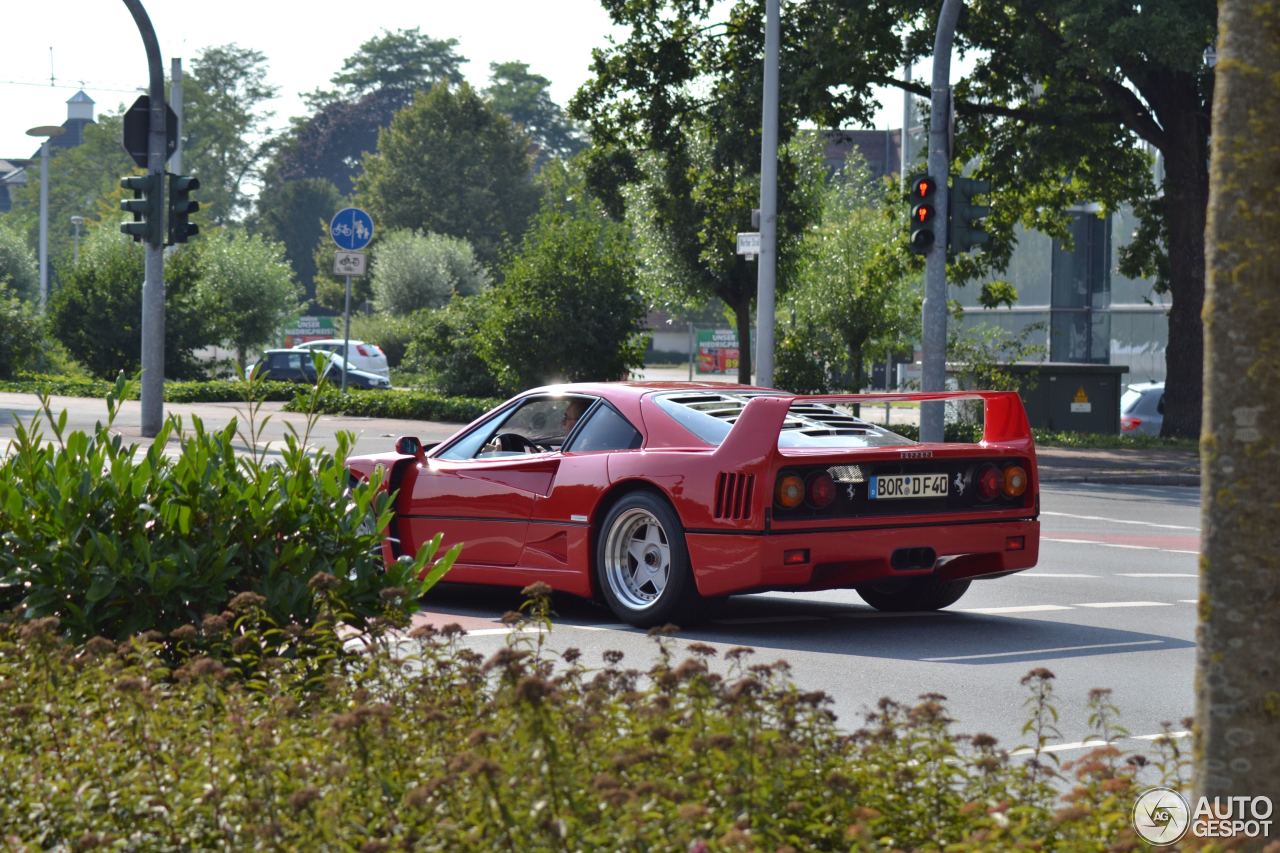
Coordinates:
x,y
642,563
908,594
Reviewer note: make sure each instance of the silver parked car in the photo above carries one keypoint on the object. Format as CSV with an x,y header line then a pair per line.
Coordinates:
x,y
1142,408
365,356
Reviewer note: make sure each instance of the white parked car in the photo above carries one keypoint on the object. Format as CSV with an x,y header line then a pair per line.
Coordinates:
x,y
365,356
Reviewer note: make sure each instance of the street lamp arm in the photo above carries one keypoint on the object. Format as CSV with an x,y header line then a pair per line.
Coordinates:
x,y
151,44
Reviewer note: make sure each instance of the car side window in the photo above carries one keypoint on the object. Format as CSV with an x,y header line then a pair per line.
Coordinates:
x,y
605,429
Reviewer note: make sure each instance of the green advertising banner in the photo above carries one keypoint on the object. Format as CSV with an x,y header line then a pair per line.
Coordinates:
x,y
717,351
309,328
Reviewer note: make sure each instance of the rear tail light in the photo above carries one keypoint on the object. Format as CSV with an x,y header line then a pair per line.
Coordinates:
x,y
822,490
1015,481
795,557
1015,543
1128,423
789,493
989,482
364,352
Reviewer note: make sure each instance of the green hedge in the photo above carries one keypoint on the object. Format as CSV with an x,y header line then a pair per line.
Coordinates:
x,y
959,432
425,744
409,405
213,391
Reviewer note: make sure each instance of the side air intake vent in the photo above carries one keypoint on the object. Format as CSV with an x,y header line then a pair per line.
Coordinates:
x,y
733,495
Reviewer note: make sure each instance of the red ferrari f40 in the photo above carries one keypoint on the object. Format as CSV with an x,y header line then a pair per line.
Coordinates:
x,y
656,496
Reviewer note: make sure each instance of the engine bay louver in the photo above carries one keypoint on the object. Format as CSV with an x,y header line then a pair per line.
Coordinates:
x,y
733,495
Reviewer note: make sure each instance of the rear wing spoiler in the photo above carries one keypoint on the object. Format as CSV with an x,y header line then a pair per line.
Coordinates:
x,y
755,433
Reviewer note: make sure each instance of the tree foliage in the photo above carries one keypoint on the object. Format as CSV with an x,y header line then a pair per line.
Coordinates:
x,y
245,288
296,214
18,267
397,62
83,181
97,312
569,306
224,122
843,305
412,270
21,333
452,165
675,111
525,98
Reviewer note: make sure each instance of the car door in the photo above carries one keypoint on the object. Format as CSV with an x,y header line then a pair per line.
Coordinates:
x,y
479,494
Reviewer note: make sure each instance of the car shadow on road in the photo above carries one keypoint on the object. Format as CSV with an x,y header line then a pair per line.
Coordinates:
x,y
838,628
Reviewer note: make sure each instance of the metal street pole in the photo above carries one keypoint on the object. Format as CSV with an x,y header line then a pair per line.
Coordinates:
x,y
47,131
175,101
346,335
934,310
767,271
153,281
76,222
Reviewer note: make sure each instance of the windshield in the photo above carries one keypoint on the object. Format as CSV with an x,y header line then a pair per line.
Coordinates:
x,y
710,415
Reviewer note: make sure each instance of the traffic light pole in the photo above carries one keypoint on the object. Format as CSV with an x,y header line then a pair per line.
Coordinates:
x,y
153,281
934,311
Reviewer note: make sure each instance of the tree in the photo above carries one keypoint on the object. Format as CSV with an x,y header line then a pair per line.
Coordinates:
x,y
246,290
412,270
526,99
18,269
450,164
1238,657
841,295
675,110
21,336
224,122
569,306
97,312
83,181
402,62
1056,110
296,214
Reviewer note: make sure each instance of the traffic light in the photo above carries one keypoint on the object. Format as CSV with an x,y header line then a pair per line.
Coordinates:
x,y
965,217
147,207
181,206
924,215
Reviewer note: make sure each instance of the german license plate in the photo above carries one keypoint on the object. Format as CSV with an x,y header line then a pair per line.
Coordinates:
x,y
896,486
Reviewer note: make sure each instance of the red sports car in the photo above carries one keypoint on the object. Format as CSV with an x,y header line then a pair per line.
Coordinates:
x,y
655,496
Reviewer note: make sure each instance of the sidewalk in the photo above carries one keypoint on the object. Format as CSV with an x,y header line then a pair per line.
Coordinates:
x,y
1131,467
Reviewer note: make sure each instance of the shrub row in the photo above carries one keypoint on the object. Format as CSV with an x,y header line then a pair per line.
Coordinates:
x,y
212,391
113,539
425,744
409,405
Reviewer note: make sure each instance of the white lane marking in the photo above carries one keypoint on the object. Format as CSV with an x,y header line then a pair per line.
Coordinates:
x,y
1120,521
1051,575
1102,604
1093,744
1072,541
1188,601
1046,651
1026,608
1175,551
1155,575
1115,545
1130,547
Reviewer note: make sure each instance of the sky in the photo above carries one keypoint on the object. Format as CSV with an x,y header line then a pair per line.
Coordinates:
x,y
96,46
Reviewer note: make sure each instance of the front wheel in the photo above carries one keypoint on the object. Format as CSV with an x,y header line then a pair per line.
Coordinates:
x,y
642,562
901,596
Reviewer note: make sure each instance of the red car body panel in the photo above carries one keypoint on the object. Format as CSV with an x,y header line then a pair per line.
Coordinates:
x,y
533,517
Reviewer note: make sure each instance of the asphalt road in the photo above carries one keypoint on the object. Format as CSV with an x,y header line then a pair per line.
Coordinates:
x,y
1111,604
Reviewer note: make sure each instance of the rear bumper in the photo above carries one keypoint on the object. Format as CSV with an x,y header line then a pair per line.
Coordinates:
x,y
725,563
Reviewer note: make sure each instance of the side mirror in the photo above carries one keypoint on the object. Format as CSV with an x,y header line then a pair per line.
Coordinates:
x,y
408,445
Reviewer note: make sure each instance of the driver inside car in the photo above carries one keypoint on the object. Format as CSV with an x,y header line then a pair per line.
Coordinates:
x,y
512,438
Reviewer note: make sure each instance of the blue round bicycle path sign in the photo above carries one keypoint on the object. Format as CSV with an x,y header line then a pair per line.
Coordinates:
x,y
351,228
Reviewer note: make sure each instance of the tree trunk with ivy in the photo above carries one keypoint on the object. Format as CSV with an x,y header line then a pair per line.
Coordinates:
x,y
1238,662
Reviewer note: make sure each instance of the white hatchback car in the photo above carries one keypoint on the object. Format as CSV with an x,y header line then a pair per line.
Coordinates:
x,y
364,356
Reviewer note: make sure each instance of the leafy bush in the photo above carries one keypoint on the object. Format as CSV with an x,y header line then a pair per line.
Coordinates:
x,y
413,270
18,267
215,391
424,744
21,333
407,405
391,332
114,540
446,347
